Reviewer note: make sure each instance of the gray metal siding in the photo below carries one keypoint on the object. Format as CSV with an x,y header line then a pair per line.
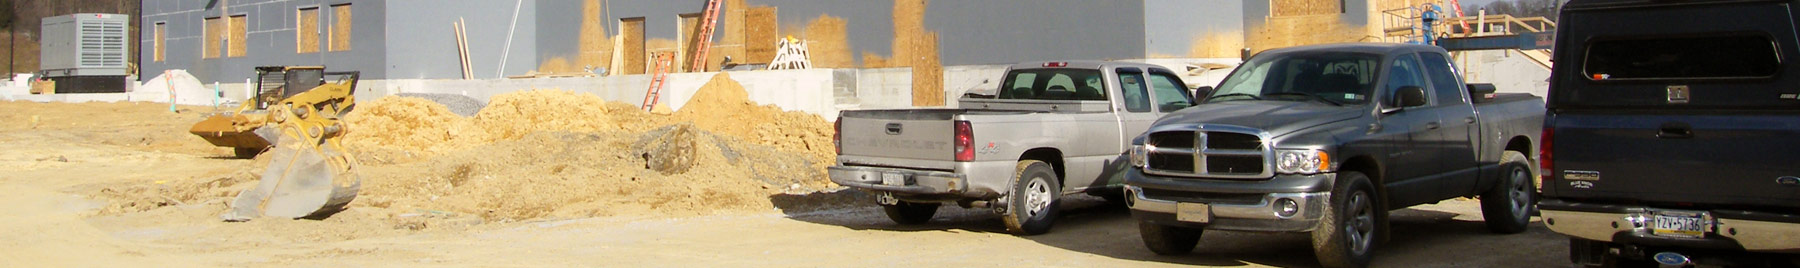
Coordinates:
x,y
993,32
1171,26
270,34
424,44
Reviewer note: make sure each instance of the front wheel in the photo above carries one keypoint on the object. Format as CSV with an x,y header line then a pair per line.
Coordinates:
x,y
1031,206
1169,240
1507,207
1346,234
909,213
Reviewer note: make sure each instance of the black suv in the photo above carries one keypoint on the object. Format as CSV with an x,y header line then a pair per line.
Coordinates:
x,y
1673,133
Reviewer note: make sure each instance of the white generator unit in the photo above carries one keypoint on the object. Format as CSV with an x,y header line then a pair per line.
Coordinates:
x,y
86,52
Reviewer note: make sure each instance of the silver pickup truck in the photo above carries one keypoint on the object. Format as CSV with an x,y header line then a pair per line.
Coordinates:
x,y
1050,129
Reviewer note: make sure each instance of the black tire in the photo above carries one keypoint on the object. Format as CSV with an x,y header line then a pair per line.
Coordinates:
x,y
1346,234
909,213
1031,206
246,153
1169,240
1507,207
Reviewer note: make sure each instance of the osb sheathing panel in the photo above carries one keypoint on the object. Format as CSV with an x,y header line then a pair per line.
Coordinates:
x,y
1217,45
917,48
633,59
690,41
872,60
1289,31
306,35
238,36
595,46
1305,7
161,37
760,35
928,73
215,32
340,28
826,43
731,42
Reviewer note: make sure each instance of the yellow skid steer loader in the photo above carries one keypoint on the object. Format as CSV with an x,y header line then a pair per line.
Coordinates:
x,y
310,174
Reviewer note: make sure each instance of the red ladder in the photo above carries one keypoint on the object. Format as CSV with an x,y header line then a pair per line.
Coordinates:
x,y
706,32
656,81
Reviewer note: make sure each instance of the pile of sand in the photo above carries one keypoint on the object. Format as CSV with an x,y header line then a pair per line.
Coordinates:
x,y
561,154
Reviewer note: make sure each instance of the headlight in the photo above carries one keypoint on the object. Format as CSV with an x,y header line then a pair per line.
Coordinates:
x,y
1140,154
1302,161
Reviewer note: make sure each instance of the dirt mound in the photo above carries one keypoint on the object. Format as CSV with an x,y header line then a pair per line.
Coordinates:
x,y
561,154
722,106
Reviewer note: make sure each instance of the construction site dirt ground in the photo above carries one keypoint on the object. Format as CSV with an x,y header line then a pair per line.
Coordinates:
x,y
123,184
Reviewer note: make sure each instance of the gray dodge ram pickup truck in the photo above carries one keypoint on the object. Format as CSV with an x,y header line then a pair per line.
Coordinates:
x,y
1326,139
1673,133
1051,128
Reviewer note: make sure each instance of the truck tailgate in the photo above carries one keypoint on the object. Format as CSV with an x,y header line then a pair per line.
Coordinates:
x,y
1686,159
922,134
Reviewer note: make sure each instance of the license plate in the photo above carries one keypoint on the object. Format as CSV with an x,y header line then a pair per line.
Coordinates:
x,y
1193,212
893,179
1680,224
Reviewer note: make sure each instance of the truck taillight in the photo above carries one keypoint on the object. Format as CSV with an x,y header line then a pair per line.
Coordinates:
x,y
837,126
1544,167
965,142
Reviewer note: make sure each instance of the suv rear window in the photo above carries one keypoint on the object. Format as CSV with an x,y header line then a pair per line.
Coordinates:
x,y
1053,84
1711,57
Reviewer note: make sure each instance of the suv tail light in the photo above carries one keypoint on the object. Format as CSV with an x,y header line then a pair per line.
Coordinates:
x,y
1545,169
965,142
837,126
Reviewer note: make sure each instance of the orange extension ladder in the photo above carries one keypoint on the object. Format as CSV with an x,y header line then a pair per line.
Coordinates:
x,y
706,32
656,81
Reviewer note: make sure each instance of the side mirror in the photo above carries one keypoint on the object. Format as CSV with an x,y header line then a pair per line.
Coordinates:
x,y
1201,92
1409,96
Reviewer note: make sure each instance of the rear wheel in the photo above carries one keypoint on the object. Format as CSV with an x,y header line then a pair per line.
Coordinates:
x,y
1507,207
1169,240
1346,234
1031,206
909,213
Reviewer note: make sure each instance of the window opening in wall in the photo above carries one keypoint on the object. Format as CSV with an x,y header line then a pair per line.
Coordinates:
x,y
238,30
340,27
214,36
306,35
160,31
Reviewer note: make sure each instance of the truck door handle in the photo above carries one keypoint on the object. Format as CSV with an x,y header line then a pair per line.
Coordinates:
x,y
1469,120
1431,125
1675,130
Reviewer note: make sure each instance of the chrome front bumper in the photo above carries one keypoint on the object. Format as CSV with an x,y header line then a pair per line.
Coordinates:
x,y
912,181
1259,216
1604,223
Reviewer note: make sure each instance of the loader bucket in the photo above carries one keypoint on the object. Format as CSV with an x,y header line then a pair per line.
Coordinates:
x,y
300,182
222,131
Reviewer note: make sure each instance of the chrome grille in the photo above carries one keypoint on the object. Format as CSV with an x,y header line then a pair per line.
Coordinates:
x,y
1209,151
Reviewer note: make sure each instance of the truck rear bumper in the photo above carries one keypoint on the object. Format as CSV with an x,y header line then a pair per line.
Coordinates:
x,y
1750,231
1261,215
914,182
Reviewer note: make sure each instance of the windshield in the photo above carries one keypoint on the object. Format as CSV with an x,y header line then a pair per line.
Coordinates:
x,y
1053,84
1336,78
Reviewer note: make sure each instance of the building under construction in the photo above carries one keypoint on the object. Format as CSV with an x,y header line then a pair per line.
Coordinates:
x,y
220,40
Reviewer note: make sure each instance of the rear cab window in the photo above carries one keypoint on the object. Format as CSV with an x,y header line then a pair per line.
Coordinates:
x,y
1053,84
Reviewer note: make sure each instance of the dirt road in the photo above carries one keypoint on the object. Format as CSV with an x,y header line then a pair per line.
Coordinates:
x,y
92,185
